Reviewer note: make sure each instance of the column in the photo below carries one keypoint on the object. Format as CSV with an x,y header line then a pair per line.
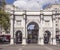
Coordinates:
x,y
41,38
59,24
59,28
11,31
54,30
24,31
51,38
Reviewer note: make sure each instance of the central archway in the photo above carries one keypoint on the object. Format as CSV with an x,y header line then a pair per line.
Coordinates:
x,y
32,30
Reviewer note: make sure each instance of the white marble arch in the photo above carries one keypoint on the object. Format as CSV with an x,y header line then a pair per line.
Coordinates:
x,y
39,20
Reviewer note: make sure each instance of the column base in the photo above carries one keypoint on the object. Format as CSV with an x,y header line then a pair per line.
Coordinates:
x,y
51,41
54,41
11,41
24,42
41,42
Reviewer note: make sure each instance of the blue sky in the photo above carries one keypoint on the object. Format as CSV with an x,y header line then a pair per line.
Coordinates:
x,y
9,1
32,4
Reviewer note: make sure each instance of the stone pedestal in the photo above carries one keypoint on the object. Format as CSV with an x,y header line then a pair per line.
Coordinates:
x,y
11,41
51,41
42,41
39,37
39,41
24,41
54,41
24,38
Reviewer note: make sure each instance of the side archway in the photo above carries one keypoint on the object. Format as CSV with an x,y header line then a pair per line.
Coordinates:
x,y
18,37
47,36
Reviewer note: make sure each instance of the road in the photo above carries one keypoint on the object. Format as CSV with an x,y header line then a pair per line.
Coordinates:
x,y
29,47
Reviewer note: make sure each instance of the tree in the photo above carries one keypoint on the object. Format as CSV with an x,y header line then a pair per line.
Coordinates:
x,y
4,16
4,20
2,4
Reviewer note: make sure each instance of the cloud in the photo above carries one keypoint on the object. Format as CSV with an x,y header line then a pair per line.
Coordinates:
x,y
34,5
20,4
31,26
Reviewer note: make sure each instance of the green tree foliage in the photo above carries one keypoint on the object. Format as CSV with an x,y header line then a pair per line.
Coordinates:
x,y
4,20
4,16
2,4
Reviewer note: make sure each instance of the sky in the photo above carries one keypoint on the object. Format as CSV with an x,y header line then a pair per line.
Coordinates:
x,y
32,4
10,1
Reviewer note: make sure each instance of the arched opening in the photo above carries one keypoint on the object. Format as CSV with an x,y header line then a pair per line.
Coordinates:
x,y
32,30
18,37
47,37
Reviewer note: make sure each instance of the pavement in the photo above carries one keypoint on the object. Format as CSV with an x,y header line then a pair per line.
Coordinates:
x,y
29,47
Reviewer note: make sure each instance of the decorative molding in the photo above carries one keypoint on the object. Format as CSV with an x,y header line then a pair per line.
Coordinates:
x,y
47,20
